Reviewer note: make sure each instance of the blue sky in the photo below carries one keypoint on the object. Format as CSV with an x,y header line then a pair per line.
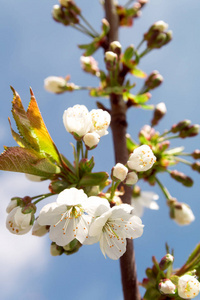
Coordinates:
x,y
33,47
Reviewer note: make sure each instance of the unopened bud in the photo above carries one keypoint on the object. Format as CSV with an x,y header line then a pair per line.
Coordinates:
x,y
89,65
181,177
116,47
56,250
180,126
72,247
163,146
119,172
91,140
131,178
196,166
196,154
166,261
110,59
159,112
55,84
154,80
167,287
191,131
57,13
183,214
160,26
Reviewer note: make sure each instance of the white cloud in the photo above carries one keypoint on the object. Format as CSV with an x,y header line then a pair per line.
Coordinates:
x,y
19,255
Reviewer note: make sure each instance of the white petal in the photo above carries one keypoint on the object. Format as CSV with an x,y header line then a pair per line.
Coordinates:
x,y
112,246
96,206
50,213
83,228
63,237
97,225
71,197
138,208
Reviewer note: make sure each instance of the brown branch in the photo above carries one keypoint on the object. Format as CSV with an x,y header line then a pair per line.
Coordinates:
x,y
118,126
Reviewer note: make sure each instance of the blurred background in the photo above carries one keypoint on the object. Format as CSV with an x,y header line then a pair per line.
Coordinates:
x,y
33,47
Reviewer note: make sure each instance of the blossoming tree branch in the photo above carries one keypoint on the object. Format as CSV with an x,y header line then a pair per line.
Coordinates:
x,y
105,207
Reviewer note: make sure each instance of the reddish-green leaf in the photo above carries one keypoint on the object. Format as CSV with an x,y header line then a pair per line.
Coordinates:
x,y
17,159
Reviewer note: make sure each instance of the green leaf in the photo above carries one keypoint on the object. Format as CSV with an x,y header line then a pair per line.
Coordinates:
x,y
33,132
16,159
130,144
141,98
138,73
128,53
194,255
93,179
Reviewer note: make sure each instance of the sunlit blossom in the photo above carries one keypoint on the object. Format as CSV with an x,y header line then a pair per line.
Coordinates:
x,y
142,159
188,287
18,222
145,199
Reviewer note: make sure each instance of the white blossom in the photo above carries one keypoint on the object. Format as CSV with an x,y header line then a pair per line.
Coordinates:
x,y
91,139
77,120
17,222
119,171
131,178
54,84
145,199
142,159
100,121
67,217
183,214
167,287
112,226
188,287
12,204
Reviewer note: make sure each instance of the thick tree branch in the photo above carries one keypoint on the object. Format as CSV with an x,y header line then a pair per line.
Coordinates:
x,y
118,126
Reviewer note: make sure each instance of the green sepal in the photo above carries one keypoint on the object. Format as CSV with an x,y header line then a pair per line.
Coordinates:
x,y
130,144
86,166
152,294
93,179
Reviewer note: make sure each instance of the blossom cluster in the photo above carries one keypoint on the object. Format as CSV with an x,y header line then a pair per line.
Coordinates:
x,y
89,126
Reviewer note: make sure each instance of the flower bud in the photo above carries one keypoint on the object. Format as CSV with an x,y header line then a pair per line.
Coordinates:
x,y
131,178
166,287
191,131
72,247
159,112
91,140
12,204
57,13
181,177
183,214
142,159
111,60
188,287
180,126
39,230
148,132
166,261
119,172
160,26
89,65
196,166
196,154
55,84
154,80
56,250
116,47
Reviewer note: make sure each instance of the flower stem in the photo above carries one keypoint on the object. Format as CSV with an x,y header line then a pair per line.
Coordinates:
x,y
89,25
42,197
163,189
184,161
